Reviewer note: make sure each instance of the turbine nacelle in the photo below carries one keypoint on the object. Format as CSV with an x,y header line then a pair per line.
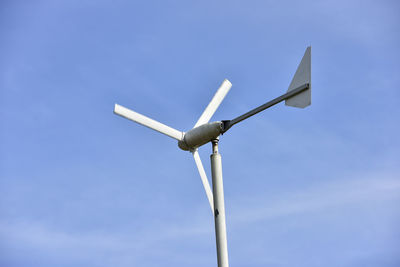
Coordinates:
x,y
200,135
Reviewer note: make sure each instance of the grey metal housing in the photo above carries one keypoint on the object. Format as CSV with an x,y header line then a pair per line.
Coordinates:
x,y
201,135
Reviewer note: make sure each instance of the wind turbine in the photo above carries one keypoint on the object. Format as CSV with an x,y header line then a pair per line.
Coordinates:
x,y
297,95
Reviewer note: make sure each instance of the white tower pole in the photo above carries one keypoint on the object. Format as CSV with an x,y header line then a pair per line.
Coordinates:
x,y
219,206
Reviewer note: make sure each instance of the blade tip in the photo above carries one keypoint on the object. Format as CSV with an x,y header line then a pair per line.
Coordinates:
x,y
118,109
226,81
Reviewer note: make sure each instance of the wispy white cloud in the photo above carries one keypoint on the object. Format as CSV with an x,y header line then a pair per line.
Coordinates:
x,y
43,239
111,246
48,242
355,191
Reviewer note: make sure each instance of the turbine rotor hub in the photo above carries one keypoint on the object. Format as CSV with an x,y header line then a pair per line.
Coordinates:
x,y
201,135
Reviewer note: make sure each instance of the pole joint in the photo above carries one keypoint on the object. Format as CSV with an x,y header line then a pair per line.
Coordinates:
x,y
215,145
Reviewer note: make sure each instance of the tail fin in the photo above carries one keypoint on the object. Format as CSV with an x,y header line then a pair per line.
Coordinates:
x,y
302,76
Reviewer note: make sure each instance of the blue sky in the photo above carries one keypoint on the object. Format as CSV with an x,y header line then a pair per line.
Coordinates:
x,y
80,186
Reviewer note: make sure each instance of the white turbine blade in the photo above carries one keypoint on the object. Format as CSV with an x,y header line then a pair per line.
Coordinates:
x,y
150,123
215,102
204,179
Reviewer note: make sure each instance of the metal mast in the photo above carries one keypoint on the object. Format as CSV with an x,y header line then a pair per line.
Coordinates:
x,y
219,206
